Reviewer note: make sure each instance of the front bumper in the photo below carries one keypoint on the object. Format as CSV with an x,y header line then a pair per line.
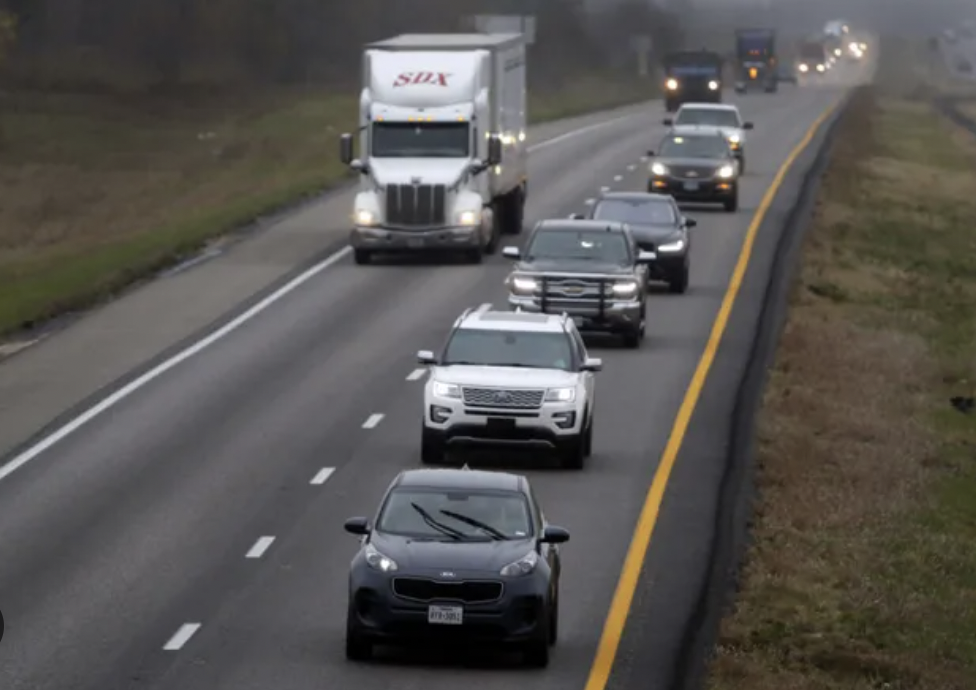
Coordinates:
x,y
377,613
458,424
668,266
698,190
400,240
615,316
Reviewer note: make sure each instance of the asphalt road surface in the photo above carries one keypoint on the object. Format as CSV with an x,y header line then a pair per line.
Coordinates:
x,y
190,536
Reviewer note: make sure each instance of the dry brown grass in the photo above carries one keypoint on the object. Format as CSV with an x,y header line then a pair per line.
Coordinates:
x,y
863,570
96,191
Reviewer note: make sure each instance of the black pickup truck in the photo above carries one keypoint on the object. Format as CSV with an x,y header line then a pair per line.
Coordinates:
x,y
692,76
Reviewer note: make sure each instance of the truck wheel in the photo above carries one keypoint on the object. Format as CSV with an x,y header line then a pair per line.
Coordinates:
x,y
475,255
572,451
732,205
588,437
679,284
632,339
495,235
512,212
362,256
431,448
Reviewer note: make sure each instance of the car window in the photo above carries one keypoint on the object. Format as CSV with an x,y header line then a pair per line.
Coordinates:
x,y
579,245
489,347
636,212
580,344
712,117
426,512
694,147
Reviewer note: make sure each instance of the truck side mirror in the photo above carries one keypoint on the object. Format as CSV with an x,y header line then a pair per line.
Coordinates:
x,y
494,150
345,149
748,125
667,121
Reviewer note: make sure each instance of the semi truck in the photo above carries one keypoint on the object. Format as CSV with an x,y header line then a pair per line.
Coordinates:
x,y
443,156
692,76
756,66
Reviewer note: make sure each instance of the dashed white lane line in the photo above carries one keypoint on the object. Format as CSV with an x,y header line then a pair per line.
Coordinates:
x,y
322,476
182,636
632,167
590,202
483,308
643,159
604,190
373,421
617,178
416,374
260,546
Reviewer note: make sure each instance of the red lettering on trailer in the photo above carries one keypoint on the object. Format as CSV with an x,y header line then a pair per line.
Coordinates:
x,y
411,78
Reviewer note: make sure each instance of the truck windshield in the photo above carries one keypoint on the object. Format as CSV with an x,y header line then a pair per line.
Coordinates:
x,y
580,245
490,347
712,117
421,140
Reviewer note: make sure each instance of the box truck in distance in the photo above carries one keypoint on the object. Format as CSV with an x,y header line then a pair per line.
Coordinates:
x,y
443,155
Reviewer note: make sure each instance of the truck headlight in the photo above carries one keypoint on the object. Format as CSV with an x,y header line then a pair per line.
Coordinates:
x,y
675,246
364,217
524,286
445,390
713,85
523,566
726,171
803,68
658,169
820,68
469,218
671,84
377,561
564,395
734,139
625,289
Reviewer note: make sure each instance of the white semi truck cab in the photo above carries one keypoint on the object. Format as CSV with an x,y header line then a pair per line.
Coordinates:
x,y
442,136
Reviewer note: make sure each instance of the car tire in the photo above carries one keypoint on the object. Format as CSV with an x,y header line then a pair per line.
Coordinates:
x,y
536,653
554,623
588,438
431,448
742,164
514,209
678,285
474,256
572,453
362,257
633,339
732,205
358,647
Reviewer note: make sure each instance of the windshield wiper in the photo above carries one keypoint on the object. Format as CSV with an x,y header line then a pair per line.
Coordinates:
x,y
495,534
515,365
443,529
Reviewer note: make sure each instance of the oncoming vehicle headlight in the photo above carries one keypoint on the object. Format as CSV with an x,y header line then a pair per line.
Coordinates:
x,y
713,85
445,390
837,52
671,84
804,68
561,395
469,217
523,286
734,138
675,246
625,289
523,566
820,68
377,561
658,169
726,171
364,217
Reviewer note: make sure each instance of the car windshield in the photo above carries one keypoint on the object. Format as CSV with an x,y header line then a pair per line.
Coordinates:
x,y
489,347
635,212
420,140
694,147
579,245
455,514
712,117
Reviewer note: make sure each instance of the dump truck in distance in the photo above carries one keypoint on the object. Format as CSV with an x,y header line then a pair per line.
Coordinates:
x,y
756,67
692,76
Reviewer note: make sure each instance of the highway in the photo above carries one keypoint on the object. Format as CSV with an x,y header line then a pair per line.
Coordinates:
x,y
189,537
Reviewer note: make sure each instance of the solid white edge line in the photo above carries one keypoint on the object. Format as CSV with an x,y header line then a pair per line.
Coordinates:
x,y
260,546
373,421
416,374
181,637
121,394
322,476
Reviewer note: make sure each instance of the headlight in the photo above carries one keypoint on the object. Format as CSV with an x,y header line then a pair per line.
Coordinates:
x,y
524,285
378,561
625,289
820,68
469,218
803,68
445,390
523,566
726,171
713,85
364,217
734,138
561,395
658,169
837,52
672,246
671,84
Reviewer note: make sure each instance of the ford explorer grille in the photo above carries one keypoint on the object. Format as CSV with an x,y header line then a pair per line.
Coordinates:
x,y
500,398
693,171
416,205
468,591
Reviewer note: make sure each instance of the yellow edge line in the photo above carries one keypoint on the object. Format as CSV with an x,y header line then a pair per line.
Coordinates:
x,y
613,628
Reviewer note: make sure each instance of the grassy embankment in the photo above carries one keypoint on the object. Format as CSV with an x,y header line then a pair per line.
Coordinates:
x,y
862,573
97,192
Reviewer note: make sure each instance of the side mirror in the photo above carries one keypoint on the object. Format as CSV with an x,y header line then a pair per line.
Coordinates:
x,y
576,216
345,149
426,357
512,253
650,153
747,125
690,222
646,257
592,364
554,535
494,150
667,121
358,526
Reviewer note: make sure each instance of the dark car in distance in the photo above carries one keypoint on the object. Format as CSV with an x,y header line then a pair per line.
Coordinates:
x,y
658,226
456,556
699,168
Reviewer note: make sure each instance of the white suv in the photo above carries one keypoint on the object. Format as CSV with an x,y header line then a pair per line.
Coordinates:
x,y
510,379
721,118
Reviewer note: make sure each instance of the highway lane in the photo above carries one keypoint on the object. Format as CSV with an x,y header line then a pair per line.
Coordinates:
x,y
140,522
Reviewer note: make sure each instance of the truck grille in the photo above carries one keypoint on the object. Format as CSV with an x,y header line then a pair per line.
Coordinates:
x,y
504,399
701,172
469,591
416,205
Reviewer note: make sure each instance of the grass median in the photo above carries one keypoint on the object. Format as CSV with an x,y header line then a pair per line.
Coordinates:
x,y
97,192
862,570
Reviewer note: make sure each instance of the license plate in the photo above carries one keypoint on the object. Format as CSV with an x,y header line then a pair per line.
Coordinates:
x,y
415,243
691,186
501,424
445,615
